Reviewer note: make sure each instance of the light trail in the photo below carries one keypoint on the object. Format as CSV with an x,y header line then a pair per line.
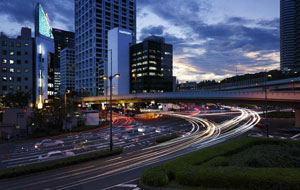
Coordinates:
x,y
204,133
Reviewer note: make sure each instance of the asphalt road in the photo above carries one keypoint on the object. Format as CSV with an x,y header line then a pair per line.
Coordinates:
x,y
107,173
20,154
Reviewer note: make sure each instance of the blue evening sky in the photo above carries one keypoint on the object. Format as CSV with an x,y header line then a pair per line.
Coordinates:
x,y
211,38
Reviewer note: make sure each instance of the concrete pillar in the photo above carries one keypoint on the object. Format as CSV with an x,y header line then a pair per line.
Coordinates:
x,y
297,118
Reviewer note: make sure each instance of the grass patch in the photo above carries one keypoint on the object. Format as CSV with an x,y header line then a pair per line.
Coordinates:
x,y
40,167
167,138
249,163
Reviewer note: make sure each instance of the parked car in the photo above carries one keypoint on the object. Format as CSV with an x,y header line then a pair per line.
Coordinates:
x,y
48,143
55,154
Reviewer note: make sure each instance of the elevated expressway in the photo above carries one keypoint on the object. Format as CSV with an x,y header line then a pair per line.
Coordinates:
x,y
276,98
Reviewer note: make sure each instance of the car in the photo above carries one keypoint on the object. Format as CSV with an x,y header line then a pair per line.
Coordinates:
x,y
141,129
55,154
48,143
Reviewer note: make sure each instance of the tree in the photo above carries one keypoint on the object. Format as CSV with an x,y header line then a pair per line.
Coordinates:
x,y
19,99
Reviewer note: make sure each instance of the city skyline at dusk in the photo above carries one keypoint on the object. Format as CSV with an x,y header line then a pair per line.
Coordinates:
x,y
211,39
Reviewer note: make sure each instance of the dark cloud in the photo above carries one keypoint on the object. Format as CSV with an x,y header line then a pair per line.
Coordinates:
x,y
222,46
151,30
21,11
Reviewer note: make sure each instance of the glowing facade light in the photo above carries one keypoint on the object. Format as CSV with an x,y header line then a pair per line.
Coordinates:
x,y
40,104
44,26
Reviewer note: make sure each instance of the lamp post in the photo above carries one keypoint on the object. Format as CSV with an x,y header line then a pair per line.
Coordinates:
x,y
111,77
134,75
266,102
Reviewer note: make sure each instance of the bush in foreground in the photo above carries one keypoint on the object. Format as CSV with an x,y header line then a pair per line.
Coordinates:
x,y
211,168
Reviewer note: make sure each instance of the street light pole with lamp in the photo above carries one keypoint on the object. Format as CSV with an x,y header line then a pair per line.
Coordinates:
x,y
266,102
110,105
111,77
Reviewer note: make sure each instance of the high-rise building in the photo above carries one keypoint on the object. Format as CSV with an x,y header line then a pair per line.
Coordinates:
x,y
67,70
62,39
119,41
16,63
44,58
93,20
289,42
297,34
151,66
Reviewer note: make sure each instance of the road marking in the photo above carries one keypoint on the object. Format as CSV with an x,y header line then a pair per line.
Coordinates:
x,y
121,184
126,185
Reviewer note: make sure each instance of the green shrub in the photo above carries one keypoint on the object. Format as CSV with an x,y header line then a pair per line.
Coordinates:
x,y
164,139
155,177
14,172
211,167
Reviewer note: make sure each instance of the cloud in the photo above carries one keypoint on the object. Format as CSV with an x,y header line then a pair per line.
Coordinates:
x,y
215,50
20,12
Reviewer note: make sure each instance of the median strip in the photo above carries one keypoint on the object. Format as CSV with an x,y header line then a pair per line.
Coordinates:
x,y
40,167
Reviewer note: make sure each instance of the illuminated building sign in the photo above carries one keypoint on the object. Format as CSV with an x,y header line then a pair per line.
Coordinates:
x,y
44,26
125,32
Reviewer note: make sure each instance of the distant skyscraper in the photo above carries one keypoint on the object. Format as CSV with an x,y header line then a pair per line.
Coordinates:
x,y
67,70
16,63
119,41
288,35
62,39
44,60
151,66
93,20
297,33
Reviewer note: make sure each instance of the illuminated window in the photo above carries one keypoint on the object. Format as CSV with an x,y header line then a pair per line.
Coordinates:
x,y
4,61
152,56
168,53
145,68
139,75
11,62
26,70
11,70
19,70
153,62
26,44
4,78
11,79
153,68
152,74
11,53
139,53
133,70
18,87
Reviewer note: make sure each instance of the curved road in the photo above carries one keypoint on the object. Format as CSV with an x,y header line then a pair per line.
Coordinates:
x,y
105,173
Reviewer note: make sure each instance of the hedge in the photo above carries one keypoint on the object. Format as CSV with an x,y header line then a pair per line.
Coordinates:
x,y
29,169
164,139
209,168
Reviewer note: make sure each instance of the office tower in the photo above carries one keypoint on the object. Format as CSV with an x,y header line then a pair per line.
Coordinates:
x,y
287,35
16,63
62,39
297,34
151,66
44,58
67,70
119,41
93,20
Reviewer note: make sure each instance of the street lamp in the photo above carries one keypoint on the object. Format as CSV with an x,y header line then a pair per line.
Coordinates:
x,y
266,102
134,76
110,104
111,77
